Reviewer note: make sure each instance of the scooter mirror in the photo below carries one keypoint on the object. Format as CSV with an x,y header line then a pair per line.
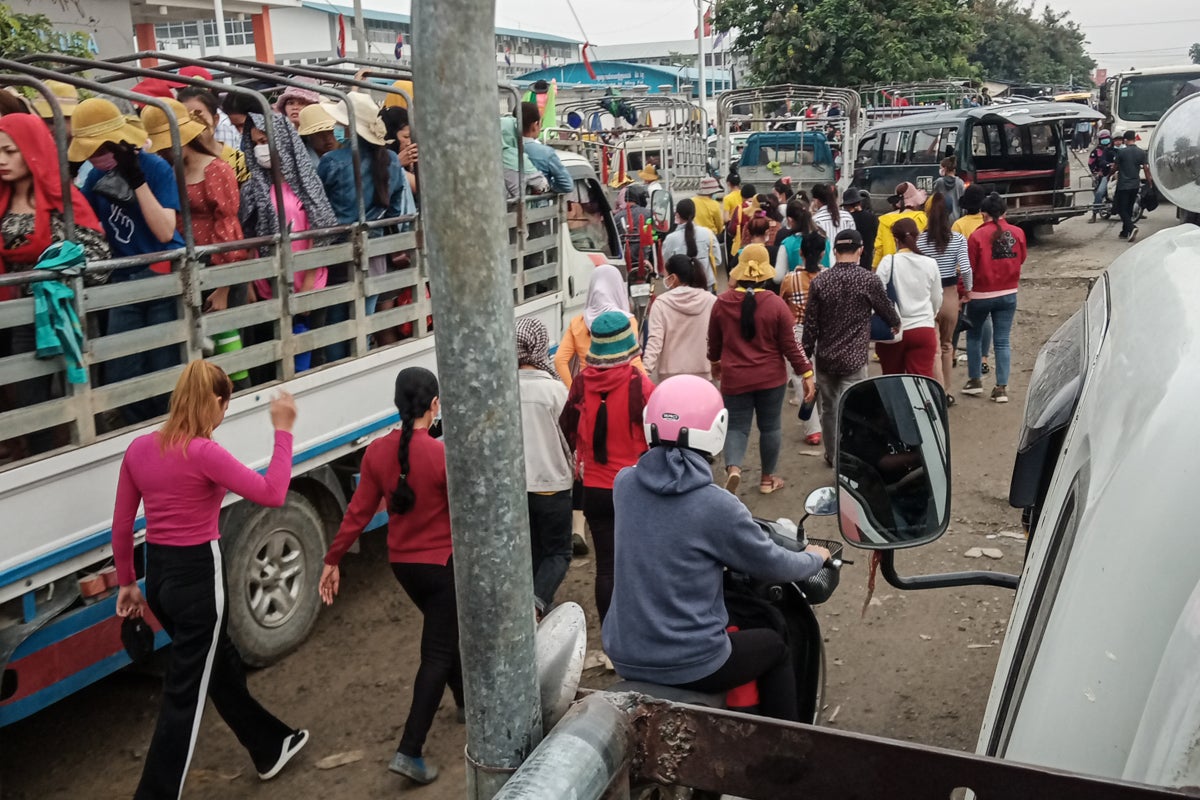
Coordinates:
x,y
1175,151
560,644
893,463
662,207
822,502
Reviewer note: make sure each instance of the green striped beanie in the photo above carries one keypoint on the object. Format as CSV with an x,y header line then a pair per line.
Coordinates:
x,y
613,342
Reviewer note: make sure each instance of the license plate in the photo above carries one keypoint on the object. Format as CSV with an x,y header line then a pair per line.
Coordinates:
x,y
639,290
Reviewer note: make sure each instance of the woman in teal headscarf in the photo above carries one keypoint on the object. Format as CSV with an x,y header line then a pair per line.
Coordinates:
x,y
516,168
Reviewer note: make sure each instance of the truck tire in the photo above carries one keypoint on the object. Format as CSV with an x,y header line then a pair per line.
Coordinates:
x,y
273,563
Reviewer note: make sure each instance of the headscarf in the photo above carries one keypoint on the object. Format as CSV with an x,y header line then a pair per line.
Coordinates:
x,y
508,144
257,214
33,139
533,344
606,292
911,196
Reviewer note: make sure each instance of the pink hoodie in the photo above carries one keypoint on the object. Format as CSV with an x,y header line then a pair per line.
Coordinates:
x,y
677,334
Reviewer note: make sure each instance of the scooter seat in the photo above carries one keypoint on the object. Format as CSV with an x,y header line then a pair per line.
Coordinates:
x,y
672,694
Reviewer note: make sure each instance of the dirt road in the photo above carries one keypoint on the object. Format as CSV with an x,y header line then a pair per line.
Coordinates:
x,y
917,666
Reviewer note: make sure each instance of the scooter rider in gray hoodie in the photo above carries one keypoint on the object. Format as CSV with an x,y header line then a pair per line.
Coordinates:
x,y
676,531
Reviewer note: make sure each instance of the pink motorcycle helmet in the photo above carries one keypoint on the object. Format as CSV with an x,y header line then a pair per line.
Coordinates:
x,y
687,411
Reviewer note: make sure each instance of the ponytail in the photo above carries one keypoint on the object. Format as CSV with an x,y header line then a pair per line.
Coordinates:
x,y
827,194
994,206
749,307
196,403
416,389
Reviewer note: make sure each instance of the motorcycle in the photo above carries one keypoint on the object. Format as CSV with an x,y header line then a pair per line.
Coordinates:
x,y
787,607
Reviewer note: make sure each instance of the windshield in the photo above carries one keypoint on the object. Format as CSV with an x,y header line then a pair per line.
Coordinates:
x,y
1144,98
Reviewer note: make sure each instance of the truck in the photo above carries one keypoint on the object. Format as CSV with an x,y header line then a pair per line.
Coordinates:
x,y
1135,100
58,630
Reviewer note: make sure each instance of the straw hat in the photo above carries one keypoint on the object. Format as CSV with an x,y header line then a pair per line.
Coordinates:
x,y
158,127
306,96
754,266
66,95
315,119
709,185
649,174
97,122
368,123
398,100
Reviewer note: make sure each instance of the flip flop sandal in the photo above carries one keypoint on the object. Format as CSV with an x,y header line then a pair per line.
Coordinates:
x,y
770,486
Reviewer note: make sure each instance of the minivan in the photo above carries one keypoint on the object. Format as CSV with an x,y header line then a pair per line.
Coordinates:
x,y
1021,151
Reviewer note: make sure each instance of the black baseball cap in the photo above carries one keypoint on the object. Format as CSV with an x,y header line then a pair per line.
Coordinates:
x,y
848,240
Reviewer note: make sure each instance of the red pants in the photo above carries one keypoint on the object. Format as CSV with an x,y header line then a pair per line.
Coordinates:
x,y
912,355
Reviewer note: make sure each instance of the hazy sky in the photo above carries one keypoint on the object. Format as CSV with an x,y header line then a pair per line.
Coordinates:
x,y
1121,33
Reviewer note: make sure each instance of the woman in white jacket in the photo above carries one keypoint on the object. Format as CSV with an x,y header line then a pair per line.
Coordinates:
x,y
677,334
918,285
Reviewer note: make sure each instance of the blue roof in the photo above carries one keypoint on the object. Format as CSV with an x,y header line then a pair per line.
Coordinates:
x,y
406,19
623,73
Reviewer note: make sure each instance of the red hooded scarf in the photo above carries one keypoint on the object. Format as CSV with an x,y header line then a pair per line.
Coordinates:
x,y
34,141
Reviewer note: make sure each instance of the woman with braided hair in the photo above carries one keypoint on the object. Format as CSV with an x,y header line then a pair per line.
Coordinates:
x,y
408,467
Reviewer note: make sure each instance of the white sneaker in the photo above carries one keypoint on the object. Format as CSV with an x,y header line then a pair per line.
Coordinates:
x,y
291,745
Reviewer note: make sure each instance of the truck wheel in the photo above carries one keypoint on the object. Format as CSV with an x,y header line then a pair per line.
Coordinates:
x,y
273,562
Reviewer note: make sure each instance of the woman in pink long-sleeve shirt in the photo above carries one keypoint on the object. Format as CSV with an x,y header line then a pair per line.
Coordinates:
x,y
181,476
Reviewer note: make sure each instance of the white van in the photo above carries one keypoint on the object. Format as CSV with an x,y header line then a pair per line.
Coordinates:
x,y
1100,671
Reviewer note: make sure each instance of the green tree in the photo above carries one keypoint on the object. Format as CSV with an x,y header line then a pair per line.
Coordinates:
x,y
850,42
1016,45
24,34
1194,52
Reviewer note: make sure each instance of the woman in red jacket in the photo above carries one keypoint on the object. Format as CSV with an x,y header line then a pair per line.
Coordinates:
x,y
181,476
602,421
750,337
408,467
997,251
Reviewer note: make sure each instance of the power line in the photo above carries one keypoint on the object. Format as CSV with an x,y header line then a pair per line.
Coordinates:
x,y
1138,24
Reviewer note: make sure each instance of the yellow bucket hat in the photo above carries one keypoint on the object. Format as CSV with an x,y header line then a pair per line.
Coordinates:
x,y
97,122
158,127
66,95
754,266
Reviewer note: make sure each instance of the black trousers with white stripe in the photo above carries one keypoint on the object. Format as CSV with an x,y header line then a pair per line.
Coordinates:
x,y
185,588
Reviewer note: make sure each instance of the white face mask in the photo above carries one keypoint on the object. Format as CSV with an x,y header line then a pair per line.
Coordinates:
x,y
262,154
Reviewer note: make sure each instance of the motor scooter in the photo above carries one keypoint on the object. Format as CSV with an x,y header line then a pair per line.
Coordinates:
x,y
787,607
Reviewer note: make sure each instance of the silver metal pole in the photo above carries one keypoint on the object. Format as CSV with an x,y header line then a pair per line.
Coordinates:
x,y
588,750
360,30
700,48
472,290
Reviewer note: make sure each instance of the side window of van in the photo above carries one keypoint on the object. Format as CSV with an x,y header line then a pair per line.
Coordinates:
x,y
1014,139
925,146
949,143
895,148
868,151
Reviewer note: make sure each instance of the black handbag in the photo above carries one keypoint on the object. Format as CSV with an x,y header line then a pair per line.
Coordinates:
x,y
881,330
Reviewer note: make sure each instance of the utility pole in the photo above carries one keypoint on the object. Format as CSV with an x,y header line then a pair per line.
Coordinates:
x,y
477,360
360,30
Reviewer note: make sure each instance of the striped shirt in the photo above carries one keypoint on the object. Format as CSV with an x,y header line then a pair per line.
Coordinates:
x,y
952,262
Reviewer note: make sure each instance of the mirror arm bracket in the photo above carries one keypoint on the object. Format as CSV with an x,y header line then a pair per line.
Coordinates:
x,y
887,565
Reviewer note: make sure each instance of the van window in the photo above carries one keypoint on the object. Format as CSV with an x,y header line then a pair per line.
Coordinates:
x,y
1013,139
925,146
895,148
949,143
1043,140
868,151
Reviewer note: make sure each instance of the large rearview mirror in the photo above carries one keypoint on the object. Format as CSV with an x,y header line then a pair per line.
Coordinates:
x,y
662,208
893,463
1175,151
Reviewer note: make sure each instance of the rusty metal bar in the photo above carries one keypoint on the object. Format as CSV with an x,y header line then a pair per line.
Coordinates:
x,y
764,759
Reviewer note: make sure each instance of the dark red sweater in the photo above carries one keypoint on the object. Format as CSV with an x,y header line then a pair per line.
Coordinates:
x,y
761,363
422,536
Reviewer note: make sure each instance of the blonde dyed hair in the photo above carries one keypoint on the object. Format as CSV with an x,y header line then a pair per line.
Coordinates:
x,y
195,405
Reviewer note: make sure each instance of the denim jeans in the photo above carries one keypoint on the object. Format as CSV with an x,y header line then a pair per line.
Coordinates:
x,y
1000,311
767,404
1101,196
123,319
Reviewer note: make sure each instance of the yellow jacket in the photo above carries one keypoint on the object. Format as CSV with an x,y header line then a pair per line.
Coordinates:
x,y
708,214
885,240
968,224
